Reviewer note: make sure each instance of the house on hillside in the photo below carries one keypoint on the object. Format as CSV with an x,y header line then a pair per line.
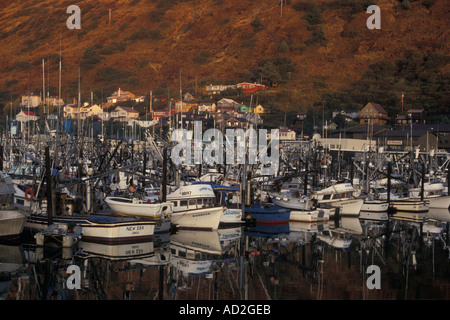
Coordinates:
x,y
25,116
259,109
139,99
31,100
54,101
349,115
373,114
218,88
120,96
244,109
207,107
248,87
71,111
183,106
158,114
124,114
237,122
411,116
89,111
227,105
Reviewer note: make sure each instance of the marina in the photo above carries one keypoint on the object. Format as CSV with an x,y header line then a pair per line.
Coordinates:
x,y
150,229
148,222
297,261
172,150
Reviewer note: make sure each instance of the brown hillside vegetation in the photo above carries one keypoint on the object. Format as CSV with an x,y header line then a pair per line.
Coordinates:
x,y
147,43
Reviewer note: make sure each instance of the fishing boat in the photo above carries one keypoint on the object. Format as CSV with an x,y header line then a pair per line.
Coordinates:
x,y
125,251
285,200
195,207
229,197
100,228
12,219
374,209
410,205
59,234
433,193
267,213
339,195
302,208
139,208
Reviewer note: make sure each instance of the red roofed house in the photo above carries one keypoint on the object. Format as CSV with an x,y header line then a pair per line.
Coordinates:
x,y
25,116
248,87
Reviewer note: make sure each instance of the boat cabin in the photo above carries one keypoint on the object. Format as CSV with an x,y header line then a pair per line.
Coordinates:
x,y
338,191
191,197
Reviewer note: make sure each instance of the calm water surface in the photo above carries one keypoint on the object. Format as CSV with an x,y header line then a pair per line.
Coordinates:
x,y
296,261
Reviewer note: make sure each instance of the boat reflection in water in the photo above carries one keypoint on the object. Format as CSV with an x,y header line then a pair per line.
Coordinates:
x,y
293,261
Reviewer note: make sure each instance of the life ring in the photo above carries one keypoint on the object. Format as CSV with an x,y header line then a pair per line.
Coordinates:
x,y
29,194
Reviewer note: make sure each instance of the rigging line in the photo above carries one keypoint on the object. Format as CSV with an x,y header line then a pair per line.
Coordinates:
x,y
264,287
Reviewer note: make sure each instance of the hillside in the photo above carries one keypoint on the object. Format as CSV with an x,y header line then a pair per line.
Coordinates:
x,y
146,45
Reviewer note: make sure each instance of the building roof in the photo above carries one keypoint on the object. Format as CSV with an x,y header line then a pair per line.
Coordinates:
x,y
127,109
29,113
378,107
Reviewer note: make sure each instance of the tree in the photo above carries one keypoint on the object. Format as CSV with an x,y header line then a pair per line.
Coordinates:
x,y
314,15
274,70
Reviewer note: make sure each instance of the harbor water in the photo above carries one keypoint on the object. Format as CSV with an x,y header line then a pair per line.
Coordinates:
x,y
344,259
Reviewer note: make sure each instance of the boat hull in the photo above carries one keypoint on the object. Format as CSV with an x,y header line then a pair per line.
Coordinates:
x,y
442,202
101,229
349,207
136,208
11,223
268,214
310,215
231,215
374,210
200,219
415,206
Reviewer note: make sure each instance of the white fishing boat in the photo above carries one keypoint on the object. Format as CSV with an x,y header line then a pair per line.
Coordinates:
x,y
410,205
99,228
373,209
59,234
137,250
340,196
231,215
314,215
195,207
139,208
11,223
194,251
12,219
303,209
229,197
285,200
433,193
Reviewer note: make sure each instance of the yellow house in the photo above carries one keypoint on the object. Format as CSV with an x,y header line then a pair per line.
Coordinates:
x,y
259,109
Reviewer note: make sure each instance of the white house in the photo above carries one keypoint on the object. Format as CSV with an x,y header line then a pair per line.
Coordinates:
x,y
218,88
31,100
207,107
119,96
85,111
283,135
25,116
124,114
